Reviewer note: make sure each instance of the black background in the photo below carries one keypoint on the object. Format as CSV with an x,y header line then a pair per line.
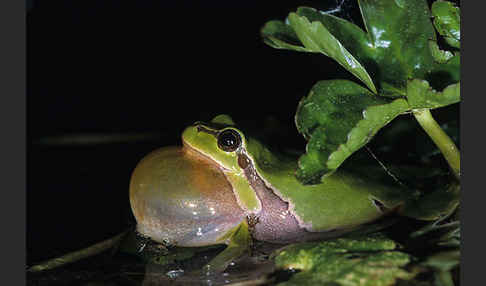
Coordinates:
x,y
109,67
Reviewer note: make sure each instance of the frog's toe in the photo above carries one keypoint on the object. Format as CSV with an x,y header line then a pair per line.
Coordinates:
x,y
238,244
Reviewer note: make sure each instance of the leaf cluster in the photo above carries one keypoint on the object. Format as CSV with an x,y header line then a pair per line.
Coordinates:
x,y
396,57
371,260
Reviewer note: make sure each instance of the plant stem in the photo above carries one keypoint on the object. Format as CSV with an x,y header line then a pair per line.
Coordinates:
x,y
444,278
77,255
441,139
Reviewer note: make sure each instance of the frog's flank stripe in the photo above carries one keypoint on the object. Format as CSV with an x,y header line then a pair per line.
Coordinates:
x,y
245,195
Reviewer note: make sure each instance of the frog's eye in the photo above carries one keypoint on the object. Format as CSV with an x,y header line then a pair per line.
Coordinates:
x,y
229,140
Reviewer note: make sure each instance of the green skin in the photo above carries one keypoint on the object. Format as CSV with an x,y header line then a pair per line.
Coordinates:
x,y
341,203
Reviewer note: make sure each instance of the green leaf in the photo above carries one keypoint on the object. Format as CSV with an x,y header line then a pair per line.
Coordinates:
x,y
400,34
281,36
399,44
395,47
421,95
337,118
433,205
345,261
445,74
447,21
443,261
439,55
315,38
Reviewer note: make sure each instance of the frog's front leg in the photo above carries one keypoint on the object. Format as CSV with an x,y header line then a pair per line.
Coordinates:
x,y
238,241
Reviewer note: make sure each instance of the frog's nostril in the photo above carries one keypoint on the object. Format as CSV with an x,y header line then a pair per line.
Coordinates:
x,y
202,127
199,126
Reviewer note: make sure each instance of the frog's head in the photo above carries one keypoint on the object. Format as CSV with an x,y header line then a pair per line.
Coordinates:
x,y
181,196
218,140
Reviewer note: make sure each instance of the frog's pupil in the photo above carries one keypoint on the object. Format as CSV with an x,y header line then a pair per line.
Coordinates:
x,y
229,140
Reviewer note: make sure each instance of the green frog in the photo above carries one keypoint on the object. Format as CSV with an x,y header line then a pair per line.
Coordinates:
x,y
224,187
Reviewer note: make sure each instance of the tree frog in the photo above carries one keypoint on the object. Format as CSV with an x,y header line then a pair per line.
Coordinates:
x,y
224,187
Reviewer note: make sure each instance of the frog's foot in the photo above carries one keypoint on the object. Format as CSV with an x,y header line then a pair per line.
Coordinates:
x,y
434,205
239,242
252,220
141,241
145,243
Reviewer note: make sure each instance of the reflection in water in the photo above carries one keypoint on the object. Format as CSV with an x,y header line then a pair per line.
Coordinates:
x,y
255,268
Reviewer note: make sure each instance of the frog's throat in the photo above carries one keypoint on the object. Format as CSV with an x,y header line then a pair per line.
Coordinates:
x,y
255,191
273,203
245,196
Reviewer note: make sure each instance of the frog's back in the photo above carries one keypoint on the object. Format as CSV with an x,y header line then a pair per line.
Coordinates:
x,y
341,201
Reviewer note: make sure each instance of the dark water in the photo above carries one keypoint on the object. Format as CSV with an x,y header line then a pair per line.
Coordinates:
x,y
77,196
123,269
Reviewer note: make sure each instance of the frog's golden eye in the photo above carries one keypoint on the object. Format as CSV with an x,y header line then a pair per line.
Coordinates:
x,y
229,140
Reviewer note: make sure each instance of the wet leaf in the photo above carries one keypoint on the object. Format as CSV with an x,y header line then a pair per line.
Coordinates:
x,y
439,55
281,36
447,21
399,35
445,74
314,38
337,118
369,260
421,95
